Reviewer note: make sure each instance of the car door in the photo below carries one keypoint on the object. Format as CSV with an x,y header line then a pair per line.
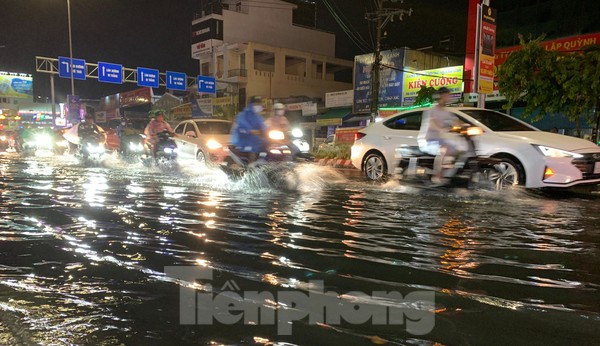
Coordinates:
x,y
179,138
400,130
191,139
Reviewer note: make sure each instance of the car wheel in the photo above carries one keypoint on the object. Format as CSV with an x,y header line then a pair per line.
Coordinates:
x,y
509,174
375,167
201,157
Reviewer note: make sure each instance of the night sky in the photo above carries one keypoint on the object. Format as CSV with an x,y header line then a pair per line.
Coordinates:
x,y
156,34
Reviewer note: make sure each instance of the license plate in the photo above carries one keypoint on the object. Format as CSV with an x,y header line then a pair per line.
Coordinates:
x,y
596,167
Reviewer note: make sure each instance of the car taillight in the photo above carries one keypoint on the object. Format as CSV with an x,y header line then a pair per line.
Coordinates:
x,y
359,135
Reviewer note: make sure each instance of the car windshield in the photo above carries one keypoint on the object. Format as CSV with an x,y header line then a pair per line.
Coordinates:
x,y
497,121
214,127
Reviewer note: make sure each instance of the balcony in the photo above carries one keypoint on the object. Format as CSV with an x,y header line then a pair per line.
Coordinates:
x,y
236,76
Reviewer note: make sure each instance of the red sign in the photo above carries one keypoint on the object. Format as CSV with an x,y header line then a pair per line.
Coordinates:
x,y
487,46
568,44
136,97
346,134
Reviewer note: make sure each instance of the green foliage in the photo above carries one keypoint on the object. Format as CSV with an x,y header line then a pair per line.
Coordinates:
x,y
424,95
552,82
337,151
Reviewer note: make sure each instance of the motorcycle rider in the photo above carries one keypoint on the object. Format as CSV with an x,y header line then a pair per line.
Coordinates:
x,y
278,121
248,130
435,137
88,128
154,127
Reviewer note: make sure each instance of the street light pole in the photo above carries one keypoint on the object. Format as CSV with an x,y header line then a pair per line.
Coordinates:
x,y
70,47
381,16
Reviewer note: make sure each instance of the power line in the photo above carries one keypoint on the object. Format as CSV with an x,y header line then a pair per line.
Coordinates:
x,y
354,37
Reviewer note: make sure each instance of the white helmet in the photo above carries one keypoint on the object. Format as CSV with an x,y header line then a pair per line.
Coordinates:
x,y
278,106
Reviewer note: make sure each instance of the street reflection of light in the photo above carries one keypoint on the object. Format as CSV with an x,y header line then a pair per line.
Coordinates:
x,y
202,262
34,168
213,199
97,183
458,256
210,224
271,279
134,188
209,214
174,192
259,340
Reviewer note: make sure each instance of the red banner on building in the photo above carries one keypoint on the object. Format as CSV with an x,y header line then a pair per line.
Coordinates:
x,y
487,46
135,97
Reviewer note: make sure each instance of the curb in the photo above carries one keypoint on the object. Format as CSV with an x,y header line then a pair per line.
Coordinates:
x,y
336,163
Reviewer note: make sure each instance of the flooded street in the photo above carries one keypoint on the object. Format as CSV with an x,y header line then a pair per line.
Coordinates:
x,y
84,251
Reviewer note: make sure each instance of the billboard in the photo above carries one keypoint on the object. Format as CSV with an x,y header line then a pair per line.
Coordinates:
x,y
449,77
135,97
390,77
487,45
19,85
205,35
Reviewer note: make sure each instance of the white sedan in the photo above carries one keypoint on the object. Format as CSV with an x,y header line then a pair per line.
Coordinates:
x,y
532,158
202,139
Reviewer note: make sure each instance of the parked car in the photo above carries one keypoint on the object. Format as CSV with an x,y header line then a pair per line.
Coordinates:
x,y
203,139
532,158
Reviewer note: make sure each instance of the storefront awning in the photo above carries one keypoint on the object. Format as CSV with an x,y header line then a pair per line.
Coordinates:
x,y
357,117
333,116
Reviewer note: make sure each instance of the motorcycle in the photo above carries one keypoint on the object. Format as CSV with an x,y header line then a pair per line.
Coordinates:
x,y
301,152
132,147
92,148
276,162
165,150
468,170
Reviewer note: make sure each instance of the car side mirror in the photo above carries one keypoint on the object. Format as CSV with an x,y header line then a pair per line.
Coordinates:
x,y
191,134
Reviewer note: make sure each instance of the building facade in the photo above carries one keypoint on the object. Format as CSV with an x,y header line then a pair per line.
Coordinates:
x,y
257,50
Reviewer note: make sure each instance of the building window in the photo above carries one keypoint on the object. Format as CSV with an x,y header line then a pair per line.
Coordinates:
x,y
15,102
238,6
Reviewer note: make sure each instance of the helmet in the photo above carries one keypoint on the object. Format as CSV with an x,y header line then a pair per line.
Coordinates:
x,y
255,100
443,90
278,106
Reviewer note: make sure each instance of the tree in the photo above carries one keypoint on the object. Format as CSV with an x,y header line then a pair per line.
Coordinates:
x,y
424,96
552,82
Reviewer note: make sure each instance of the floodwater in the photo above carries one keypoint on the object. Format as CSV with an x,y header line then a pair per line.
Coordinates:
x,y
84,250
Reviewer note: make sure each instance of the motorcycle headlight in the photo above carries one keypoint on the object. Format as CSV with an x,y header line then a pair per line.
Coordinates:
x,y
297,133
135,146
2,138
41,140
276,135
212,144
553,152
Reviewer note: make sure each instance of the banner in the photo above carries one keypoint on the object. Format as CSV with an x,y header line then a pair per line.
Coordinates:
x,y
18,85
339,99
449,77
202,108
390,80
74,106
135,97
487,45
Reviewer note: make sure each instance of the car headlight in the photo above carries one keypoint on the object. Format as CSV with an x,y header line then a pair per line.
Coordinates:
x,y
297,133
553,152
212,144
276,135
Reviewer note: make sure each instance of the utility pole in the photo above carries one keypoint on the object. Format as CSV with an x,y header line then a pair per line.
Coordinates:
x,y
382,16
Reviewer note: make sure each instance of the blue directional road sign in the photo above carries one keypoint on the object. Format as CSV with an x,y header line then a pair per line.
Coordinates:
x,y
176,80
110,73
207,85
147,77
64,68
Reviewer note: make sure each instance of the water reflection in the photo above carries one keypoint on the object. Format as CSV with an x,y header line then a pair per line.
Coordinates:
x,y
84,251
